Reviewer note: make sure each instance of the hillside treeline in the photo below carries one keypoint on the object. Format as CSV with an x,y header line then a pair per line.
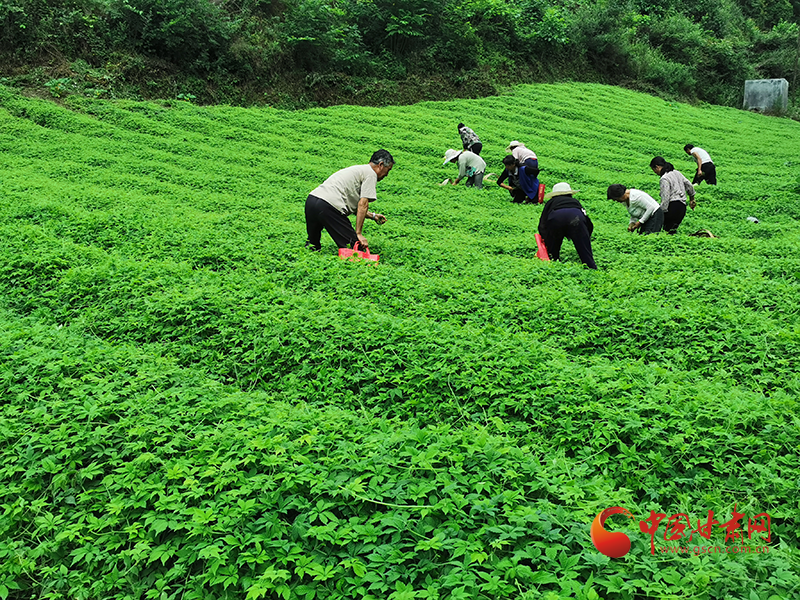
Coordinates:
x,y
375,51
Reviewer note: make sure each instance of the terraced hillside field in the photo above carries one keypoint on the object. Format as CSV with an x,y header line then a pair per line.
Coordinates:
x,y
194,406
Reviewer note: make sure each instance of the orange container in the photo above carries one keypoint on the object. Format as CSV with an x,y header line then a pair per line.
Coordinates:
x,y
355,254
541,249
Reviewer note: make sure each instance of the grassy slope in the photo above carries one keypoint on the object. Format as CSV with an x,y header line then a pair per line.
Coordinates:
x,y
152,281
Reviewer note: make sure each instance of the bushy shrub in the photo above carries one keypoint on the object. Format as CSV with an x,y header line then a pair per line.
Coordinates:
x,y
768,13
677,37
300,44
776,51
29,27
723,71
599,37
321,37
659,73
188,33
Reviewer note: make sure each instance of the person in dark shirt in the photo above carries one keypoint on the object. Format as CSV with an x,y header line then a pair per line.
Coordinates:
x,y
563,216
523,184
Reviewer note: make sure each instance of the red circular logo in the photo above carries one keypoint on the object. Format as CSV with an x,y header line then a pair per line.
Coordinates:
x,y
611,543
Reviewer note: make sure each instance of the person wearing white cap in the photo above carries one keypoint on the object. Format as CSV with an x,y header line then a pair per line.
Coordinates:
x,y
564,216
470,165
520,152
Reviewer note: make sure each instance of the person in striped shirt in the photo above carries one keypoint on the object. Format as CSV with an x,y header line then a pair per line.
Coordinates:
x,y
674,190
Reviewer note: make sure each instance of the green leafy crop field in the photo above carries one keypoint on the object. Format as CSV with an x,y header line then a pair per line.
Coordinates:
x,y
195,407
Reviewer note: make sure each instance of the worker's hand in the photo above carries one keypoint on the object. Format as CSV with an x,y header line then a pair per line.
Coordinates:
x,y
692,203
362,242
634,226
379,219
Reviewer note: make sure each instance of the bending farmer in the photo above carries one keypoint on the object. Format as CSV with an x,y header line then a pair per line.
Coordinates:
x,y
470,165
706,171
522,172
645,213
563,216
346,192
469,139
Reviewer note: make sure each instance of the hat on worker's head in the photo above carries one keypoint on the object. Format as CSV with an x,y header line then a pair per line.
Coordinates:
x,y
450,155
560,189
513,145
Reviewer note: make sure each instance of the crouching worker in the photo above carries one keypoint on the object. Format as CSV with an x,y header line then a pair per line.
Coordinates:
x,y
563,216
470,165
346,192
529,176
523,182
645,213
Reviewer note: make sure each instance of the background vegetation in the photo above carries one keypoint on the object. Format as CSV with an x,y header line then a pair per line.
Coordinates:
x,y
192,406
300,53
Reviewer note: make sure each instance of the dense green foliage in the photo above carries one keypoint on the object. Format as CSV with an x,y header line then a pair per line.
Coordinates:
x,y
193,406
306,52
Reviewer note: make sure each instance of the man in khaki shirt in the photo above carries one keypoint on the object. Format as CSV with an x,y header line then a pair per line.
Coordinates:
x,y
346,192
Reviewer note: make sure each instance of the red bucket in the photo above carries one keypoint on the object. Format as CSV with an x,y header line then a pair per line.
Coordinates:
x,y
541,249
355,254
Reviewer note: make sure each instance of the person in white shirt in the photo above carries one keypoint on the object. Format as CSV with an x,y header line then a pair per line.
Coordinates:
x,y
470,165
645,213
346,192
706,171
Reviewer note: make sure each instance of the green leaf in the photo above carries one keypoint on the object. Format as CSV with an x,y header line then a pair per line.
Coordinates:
x,y
543,578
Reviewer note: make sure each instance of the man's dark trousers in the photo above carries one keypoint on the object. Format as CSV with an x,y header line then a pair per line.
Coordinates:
x,y
321,215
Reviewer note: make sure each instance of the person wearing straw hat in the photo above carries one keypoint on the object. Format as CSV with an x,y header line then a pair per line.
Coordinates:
x,y
346,192
645,213
470,165
522,172
564,216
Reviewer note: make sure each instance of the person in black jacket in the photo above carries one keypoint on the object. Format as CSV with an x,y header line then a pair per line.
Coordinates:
x,y
563,216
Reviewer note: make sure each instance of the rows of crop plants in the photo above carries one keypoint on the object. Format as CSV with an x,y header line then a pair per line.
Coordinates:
x,y
194,406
